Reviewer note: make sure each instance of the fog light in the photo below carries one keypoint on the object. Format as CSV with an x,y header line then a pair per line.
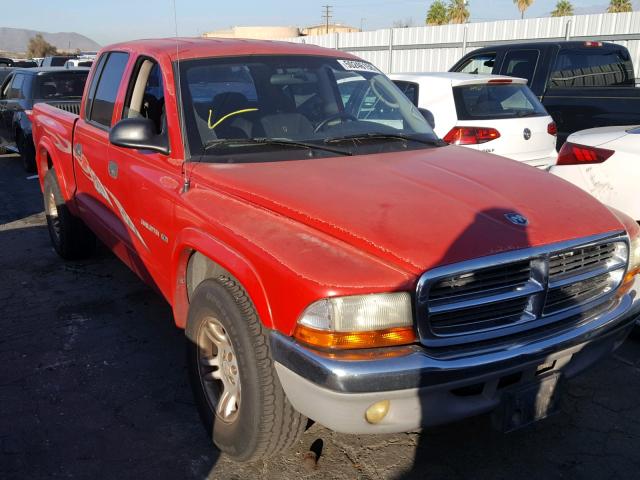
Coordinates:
x,y
376,412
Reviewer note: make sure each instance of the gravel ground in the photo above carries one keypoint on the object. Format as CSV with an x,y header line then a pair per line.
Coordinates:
x,y
93,385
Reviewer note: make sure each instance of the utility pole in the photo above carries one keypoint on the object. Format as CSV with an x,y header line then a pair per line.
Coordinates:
x,y
327,15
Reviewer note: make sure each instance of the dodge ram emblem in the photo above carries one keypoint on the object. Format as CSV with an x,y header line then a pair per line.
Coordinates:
x,y
517,219
526,134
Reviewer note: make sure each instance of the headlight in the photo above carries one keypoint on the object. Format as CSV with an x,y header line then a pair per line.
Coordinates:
x,y
359,321
634,255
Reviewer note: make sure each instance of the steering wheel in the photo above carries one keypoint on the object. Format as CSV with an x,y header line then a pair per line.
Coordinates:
x,y
344,116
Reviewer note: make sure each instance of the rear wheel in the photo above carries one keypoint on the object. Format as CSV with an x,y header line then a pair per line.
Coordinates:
x,y
236,388
27,152
69,235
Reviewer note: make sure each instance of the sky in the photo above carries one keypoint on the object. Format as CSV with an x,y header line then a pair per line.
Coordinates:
x,y
108,21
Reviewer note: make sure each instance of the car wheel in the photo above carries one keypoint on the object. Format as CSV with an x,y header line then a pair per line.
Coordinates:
x,y
69,235
237,391
27,153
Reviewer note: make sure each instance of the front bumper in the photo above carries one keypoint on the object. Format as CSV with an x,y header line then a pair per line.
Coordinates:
x,y
425,389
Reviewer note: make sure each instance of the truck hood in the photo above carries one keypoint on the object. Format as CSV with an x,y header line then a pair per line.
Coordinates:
x,y
418,209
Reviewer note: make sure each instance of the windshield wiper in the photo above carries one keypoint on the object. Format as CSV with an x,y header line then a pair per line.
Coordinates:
x,y
385,136
284,142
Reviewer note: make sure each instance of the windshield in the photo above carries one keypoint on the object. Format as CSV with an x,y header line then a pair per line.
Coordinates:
x,y
496,101
306,103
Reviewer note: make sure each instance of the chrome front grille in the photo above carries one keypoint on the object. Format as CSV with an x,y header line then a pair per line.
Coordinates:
x,y
505,294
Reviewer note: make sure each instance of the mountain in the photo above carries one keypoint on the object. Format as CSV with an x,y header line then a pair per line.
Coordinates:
x,y
16,40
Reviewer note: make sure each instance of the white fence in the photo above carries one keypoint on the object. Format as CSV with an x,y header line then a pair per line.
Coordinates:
x,y
429,49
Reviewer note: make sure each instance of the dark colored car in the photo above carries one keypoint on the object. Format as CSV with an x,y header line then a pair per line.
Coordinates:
x,y
22,89
581,84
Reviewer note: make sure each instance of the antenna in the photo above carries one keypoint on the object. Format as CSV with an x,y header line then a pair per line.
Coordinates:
x,y
185,175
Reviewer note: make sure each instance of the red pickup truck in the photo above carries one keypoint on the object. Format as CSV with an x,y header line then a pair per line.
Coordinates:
x,y
328,256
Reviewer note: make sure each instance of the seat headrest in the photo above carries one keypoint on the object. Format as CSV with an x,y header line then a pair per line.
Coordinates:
x,y
229,102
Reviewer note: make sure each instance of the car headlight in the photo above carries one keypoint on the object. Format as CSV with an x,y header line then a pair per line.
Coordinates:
x,y
634,255
359,321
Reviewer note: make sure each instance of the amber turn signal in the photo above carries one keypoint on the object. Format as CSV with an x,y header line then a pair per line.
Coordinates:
x,y
350,340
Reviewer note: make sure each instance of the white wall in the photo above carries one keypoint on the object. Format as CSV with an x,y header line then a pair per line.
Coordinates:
x,y
429,49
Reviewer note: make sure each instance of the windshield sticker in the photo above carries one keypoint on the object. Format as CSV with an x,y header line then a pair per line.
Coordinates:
x,y
358,66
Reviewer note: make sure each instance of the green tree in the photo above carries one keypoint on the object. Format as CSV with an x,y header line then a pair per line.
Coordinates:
x,y
620,6
39,47
522,5
564,8
458,11
437,13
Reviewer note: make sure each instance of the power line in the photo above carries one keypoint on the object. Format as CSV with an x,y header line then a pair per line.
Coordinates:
x,y
327,15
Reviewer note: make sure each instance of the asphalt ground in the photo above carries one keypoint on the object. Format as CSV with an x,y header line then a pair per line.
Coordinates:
x,y
93,385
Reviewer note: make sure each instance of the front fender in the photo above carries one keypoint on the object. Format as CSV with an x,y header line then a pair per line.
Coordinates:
x,y
191,240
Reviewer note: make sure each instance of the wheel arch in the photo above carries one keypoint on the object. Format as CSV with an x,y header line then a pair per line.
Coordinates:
x,y
46,159
198,257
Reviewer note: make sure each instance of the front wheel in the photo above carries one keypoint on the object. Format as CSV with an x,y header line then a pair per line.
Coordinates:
x,y
236,388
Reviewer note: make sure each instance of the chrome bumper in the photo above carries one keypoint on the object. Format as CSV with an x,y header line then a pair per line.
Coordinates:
x,y
427,389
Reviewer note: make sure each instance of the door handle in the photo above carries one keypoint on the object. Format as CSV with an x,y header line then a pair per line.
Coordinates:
x,y
113,169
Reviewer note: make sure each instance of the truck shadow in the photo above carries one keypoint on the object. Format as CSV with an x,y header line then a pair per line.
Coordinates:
x,y
476,447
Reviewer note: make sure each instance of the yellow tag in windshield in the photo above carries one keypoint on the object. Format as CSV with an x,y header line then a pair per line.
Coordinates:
x,y
237,112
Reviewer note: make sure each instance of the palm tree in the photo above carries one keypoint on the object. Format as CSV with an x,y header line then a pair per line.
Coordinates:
x,y
563,9
458,11
437,14
522,5
620,6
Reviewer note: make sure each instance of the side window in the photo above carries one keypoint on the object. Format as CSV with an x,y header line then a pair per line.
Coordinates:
x,y
478,64
15,90
521,63
105,94
145,97
410,89
592,67
91,93
6,86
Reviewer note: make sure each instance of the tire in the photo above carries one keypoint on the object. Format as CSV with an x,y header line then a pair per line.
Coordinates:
x,y
27,153
70,237
263,423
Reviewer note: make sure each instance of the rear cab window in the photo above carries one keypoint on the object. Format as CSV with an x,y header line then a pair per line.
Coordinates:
x,y
62,85
496,102
521,64
482,63
104,88
592,67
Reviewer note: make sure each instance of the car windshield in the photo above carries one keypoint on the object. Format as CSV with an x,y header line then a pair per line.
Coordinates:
x,y
60,85
488,101
267,108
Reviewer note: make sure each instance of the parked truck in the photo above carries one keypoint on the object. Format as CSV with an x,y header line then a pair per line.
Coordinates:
x,y
581,84
327,261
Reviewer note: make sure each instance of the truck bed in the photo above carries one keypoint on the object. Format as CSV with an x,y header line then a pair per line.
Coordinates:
x,y
580,108
54,127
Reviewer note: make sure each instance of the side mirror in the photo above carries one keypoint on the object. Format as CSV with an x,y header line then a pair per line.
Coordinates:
x,y
138,133
428,116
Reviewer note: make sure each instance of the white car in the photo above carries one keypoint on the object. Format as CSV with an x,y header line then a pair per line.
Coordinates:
x,y
490,113
604,162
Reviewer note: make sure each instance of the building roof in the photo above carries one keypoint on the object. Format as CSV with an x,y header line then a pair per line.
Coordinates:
x,y
189,48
